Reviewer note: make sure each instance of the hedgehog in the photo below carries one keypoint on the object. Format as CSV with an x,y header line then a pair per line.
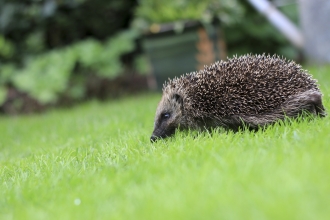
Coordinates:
x,y
250,91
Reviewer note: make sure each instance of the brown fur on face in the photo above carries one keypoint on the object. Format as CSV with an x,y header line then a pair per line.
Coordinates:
x,y
169,116
250,91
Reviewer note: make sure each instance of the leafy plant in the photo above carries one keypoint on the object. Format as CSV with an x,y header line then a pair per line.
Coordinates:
x,y
6,73
48,75
172,10
3,94
6,48
35,27
158,12
105,58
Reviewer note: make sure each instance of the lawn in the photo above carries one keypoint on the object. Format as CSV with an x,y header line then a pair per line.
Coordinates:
x,y
95,161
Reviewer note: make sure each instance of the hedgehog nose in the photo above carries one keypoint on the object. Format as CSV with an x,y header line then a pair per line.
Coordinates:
x,y
153,138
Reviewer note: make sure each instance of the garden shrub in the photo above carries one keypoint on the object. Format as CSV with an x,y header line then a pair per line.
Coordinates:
x,y
45,77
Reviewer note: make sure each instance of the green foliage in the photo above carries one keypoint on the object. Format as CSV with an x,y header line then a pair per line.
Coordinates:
x,y
96,162
256,35
105,58
172,10
46,76
46,40
142,64
158,12
227,11
3,94
34,27
6,73
6,48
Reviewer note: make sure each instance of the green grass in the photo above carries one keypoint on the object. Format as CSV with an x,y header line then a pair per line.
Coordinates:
x,y
96,162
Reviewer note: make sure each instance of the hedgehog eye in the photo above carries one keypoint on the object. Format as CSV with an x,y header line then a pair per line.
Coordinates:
x,y
166,115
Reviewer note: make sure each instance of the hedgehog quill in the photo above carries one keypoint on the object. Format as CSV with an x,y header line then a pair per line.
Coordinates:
x,y
251,90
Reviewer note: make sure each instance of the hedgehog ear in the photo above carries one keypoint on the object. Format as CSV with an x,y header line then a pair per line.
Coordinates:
x,y
177,98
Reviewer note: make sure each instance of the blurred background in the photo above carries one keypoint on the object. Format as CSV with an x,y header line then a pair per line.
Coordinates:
x,y
56,53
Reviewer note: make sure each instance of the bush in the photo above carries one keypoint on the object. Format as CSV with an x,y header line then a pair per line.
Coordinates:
x,y
34,27
43,42
151,12
45,77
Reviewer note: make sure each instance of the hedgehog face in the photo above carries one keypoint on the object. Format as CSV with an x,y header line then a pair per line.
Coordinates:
x,y
168,116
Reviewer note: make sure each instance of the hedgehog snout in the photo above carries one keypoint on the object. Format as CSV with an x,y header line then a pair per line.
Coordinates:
x,y
161,132
153,138
158,134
